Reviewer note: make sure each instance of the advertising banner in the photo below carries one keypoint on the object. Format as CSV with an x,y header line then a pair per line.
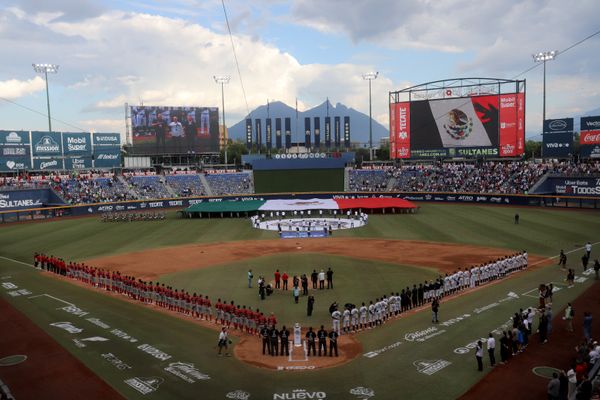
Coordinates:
x,y
22,199
14,138
590,151
278,133
77,143
14,151
249,133
511,125
307,132
78,163
107,157
576,186
347,132
336,132
46,144
589,138
328,132
108,139
161,130
258,126
401,127
269,135
288,133
317,129
8,164
560,125
45,164
559,145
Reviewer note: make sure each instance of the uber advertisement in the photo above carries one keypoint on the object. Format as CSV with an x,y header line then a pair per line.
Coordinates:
x,y
576,186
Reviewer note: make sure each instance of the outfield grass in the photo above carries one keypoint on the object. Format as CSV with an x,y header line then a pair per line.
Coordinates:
x,y
355,281
542,231
391,373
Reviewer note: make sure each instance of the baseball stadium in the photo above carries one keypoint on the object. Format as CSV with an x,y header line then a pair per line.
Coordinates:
x,y
173,259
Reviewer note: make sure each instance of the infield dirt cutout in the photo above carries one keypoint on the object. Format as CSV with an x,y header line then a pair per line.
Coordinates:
x,y
151,264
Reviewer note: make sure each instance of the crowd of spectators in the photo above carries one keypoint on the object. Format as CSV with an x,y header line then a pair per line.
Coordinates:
x,y
186,185
369,180
230,183
513,177
150,186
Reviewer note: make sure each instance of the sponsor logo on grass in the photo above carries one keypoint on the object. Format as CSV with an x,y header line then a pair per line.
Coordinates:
x,y
421,336
430,367
362,392
97,322
145,385
79,342
375,353
123,335
186,371
23,292
154,352
295,367
67,326
9,285
75,311
238,395
115,361
456,320
299,394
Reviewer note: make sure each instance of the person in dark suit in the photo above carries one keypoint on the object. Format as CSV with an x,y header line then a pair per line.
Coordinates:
x,y
329,278
314,277
274,335
190,128
310,338
322,336
310,305
160,132
333,337
284,334
265,335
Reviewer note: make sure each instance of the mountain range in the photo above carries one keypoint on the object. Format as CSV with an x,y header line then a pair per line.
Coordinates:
x,y
359,122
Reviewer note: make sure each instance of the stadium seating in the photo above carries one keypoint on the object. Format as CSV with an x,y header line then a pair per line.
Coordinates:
x,y
231,183
186,185
369,180
150,186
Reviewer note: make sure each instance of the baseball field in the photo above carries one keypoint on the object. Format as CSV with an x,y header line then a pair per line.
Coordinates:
x,y
139,351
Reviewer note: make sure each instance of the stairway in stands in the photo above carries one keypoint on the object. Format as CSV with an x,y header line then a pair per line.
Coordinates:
x,y
209,191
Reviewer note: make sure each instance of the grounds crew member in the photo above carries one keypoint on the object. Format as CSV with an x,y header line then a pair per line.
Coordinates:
x,y
264,334
322,336
274,334
333,337
284,334
310,338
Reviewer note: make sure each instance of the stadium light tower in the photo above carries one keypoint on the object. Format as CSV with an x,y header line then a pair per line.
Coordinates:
x,y
223,80
369,76
543,57
45,69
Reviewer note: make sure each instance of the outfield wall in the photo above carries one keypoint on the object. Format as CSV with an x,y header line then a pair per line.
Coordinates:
x,y
180,203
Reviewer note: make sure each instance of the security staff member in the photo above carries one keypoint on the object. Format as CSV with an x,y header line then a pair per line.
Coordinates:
x,y
310,338
274,333
322,336
333,336
264,333
284,334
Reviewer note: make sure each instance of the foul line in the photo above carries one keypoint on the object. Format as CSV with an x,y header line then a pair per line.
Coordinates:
x,y
17,261
568,252
52,297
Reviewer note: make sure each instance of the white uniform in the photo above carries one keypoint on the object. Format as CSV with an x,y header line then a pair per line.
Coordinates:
x,y
335,317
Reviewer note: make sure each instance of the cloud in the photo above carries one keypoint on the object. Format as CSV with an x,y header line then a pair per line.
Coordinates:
x,y
14,88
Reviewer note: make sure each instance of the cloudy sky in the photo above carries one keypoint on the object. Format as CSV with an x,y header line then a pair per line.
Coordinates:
x,y
167,52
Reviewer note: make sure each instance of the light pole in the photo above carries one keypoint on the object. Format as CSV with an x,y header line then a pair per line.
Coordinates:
x,y
45,69
543,57
223,80
369,76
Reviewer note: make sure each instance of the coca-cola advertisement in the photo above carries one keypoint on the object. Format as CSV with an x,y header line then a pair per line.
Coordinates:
x,y
589,138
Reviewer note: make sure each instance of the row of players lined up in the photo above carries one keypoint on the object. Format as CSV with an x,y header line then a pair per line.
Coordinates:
x,y
353,318
196,306
125,216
